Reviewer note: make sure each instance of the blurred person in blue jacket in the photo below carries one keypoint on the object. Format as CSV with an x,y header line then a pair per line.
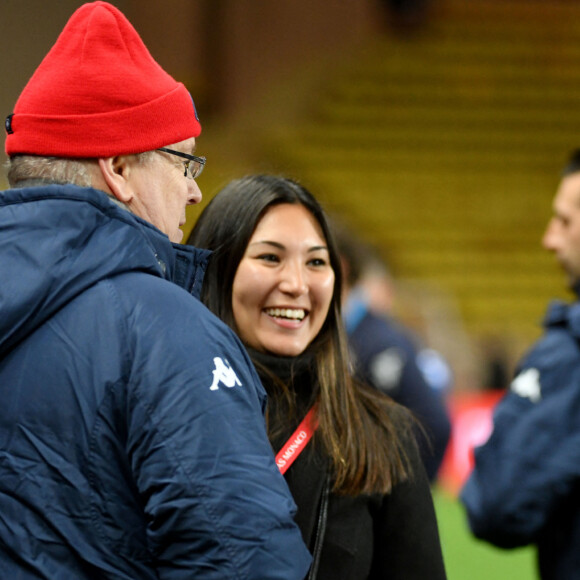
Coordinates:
x,y
132,433
386,354
525,486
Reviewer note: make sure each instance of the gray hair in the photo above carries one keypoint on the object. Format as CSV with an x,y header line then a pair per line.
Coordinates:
x,y
51,169
55,169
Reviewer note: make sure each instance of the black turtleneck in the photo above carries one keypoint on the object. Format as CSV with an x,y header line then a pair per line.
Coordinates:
x,y
366,536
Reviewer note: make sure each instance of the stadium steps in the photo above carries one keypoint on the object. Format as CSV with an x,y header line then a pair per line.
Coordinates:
x,y
445,150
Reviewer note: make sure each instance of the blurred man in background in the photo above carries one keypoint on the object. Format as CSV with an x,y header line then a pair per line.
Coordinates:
x,y
386,354
525,487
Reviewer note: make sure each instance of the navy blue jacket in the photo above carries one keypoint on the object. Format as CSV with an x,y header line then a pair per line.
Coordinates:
x,y
132,439
525,487
385,356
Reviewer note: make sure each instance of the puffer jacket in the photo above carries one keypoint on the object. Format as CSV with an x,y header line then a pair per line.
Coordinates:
x,y
525,486
132,439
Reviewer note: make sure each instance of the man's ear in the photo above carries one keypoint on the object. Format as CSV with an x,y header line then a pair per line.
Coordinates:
x,y
115,172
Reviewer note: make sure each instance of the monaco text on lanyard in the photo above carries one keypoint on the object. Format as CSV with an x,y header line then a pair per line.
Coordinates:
x,y
298,441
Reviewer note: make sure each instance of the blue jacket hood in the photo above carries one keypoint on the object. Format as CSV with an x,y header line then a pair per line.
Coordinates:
x,y
39,263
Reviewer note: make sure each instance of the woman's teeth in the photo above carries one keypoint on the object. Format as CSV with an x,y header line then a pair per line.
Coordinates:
x,y
292,313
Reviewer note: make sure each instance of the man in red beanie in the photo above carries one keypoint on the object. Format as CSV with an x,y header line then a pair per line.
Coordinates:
x,y
132,438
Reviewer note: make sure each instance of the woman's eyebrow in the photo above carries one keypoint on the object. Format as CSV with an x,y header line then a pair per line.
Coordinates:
x,y
283,247
268,243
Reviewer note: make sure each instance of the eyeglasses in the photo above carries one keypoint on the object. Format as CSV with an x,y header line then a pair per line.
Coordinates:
x,y
193,166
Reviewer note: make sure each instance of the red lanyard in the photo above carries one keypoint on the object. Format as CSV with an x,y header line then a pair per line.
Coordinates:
x,y
298,441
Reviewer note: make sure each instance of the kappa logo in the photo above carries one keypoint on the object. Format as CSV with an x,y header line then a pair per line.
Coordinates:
x,y
527,385
224,374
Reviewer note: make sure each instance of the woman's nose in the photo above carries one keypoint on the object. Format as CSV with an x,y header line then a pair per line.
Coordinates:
x,y
293,280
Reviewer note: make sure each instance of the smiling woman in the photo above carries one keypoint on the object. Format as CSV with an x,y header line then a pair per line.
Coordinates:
x,y
274,277
284,282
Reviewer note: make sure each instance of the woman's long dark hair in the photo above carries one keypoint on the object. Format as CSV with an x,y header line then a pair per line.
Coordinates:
x,y
361,429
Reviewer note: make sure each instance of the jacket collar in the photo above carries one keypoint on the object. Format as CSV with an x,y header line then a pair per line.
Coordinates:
x,y
562,313
63,239
183,265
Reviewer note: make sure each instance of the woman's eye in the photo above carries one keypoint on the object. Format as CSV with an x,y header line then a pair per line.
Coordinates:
x,y
317,262
268,257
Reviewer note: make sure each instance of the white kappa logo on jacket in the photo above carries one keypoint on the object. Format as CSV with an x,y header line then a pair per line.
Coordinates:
x,y
223,373
527,385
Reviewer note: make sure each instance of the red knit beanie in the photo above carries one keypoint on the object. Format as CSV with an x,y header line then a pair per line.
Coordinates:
x,y
99,93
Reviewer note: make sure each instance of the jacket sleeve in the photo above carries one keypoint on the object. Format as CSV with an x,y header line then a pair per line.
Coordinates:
x,y
531,461
216,504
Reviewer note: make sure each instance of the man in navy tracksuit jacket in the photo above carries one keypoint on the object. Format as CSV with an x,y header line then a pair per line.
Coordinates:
x,y
384,353
525,487
132,435
385,356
